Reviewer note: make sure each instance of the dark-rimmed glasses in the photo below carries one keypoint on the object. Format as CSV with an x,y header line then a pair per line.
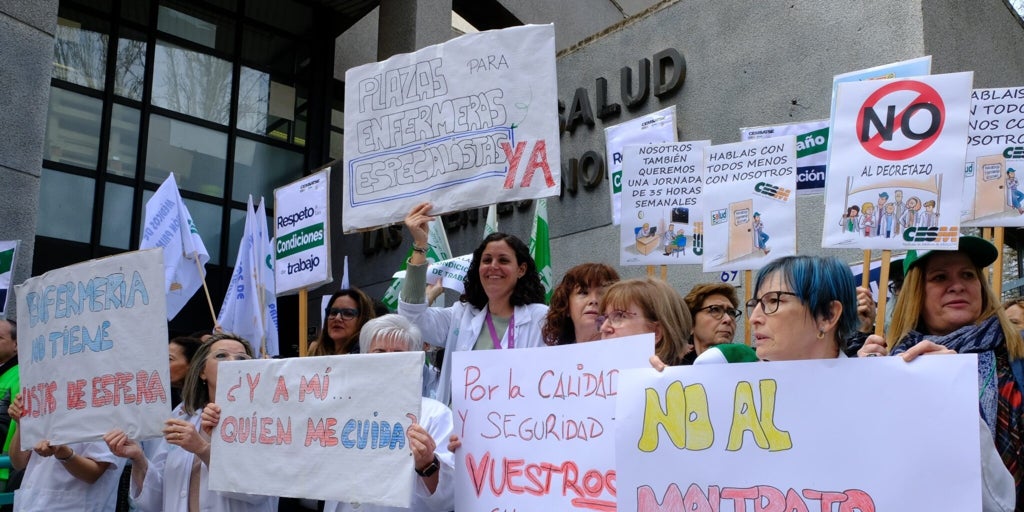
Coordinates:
x,y
717,311
769,302
344,313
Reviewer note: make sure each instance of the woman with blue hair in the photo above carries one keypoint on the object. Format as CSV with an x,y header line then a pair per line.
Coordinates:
x,y
804,308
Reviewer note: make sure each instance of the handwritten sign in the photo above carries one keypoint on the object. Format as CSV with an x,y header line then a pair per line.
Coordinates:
x,y
995,159
786,436
92,339
537,424
301,227
466,123
293,427
896,163
661,207
749,203
655,127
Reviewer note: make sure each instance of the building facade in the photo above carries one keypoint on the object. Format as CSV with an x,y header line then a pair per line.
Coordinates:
x,y
105,98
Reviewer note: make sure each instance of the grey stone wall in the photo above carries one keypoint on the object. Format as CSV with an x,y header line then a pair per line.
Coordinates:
x,y
26,50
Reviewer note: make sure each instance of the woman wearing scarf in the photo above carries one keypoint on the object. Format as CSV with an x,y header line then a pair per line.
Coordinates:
x,y
946,305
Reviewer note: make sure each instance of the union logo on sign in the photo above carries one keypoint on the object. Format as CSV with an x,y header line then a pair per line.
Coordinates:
x,y
900,120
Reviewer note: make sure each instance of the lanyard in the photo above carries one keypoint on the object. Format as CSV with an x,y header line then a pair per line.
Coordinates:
x,y
511,331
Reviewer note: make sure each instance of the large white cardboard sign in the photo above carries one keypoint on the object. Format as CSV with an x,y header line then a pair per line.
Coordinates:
x,y
995,159
92,340
662,217
841,434
463,124
537,424
749,203
896,163
301,233
290,427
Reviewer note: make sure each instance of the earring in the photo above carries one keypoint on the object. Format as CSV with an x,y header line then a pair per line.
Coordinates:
x,y
821,335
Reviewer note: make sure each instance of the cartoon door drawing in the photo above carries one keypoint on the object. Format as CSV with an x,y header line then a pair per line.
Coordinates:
x,y
741,229
991,196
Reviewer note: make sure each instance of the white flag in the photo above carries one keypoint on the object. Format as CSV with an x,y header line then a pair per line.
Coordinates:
x,y
265,277
241,312
491,224
169,225
344,275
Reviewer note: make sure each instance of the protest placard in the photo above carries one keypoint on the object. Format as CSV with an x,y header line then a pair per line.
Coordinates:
x,y
655,127
466,123
537,424
749,206
995,159
787,436
896,163
93,346
8,254
299,427
811,150
301,223
661,207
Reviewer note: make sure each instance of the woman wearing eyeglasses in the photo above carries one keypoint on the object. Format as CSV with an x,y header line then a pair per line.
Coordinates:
x,y
713,309
176,477
502,307
347,312
638,306
573,311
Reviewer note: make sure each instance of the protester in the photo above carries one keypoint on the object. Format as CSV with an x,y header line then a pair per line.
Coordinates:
x,y
1014,309
180,351
346,313
947,306
434,484
573,311
9,388
502,289
68,477
804,308
177,476
638,306
713,309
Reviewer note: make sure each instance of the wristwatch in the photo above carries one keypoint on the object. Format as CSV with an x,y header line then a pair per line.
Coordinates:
x,y
430,469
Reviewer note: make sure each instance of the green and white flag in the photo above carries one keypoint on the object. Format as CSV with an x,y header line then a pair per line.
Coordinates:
x,y
491,225
540,246
437,250
8,248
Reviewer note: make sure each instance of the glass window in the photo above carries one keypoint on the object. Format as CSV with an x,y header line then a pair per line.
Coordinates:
x,y
190,23
192,83
124,141
206,217
80,49
117,216
130,68
65,206
260,168
197,156
337,144
72,129
267,106
235,235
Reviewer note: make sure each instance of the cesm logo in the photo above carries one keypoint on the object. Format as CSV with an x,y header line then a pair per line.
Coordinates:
x,y
932,234
772,191
291,220
1014,152
306,265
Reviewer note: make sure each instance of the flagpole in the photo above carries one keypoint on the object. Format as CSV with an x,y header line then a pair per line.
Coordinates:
x,y
303,311
209,301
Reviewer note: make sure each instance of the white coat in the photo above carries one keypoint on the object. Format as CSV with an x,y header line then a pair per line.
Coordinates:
x,y
48,486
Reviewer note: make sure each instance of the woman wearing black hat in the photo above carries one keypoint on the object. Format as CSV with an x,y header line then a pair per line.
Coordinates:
x,y
947,306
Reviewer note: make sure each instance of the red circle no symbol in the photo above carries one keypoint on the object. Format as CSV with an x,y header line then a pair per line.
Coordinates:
x,y
925,94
